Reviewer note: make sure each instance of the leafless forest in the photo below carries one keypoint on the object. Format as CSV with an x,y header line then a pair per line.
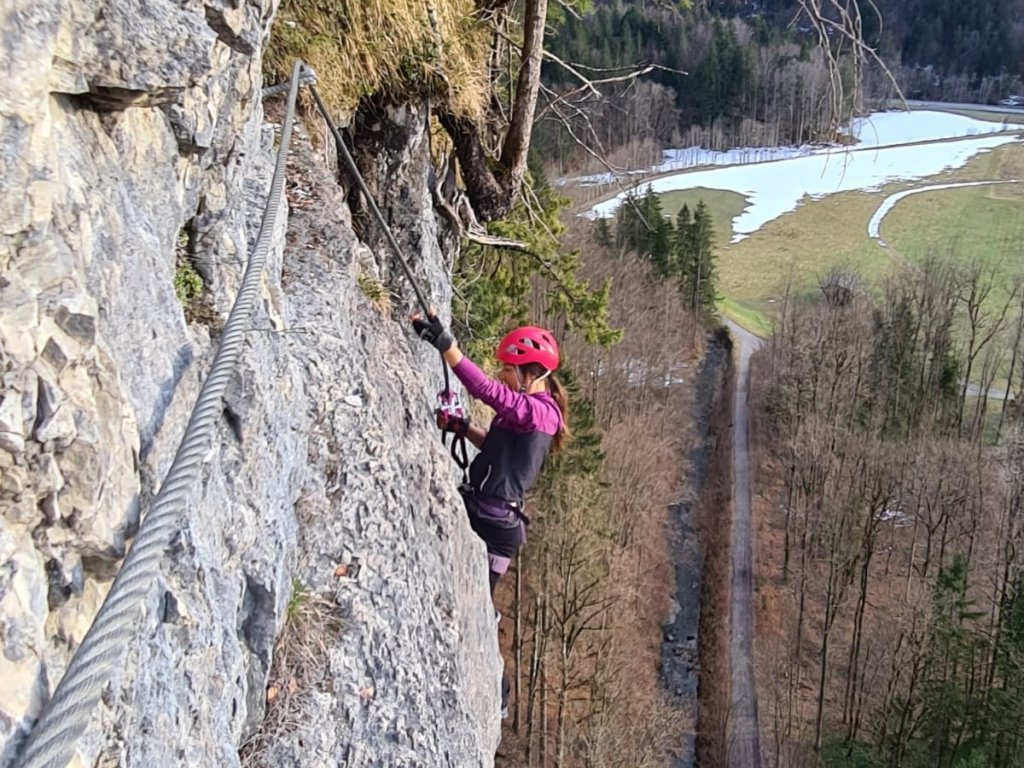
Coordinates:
x,y
584,610
891,609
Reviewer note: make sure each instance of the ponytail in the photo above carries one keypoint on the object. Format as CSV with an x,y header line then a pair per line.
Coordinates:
x,y
561,398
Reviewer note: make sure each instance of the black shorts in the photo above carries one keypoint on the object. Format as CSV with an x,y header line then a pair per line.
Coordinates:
x,y
503,537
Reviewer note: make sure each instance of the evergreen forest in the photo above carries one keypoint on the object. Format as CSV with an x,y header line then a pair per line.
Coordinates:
x,y
724,73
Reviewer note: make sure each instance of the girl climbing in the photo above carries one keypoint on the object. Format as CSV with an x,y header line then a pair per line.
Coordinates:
x,y
531,418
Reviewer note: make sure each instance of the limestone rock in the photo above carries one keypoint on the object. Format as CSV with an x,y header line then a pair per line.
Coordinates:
x,y
12,436
420,632
13,480
23,611
137,53
72,618
48,478
132,125
235,24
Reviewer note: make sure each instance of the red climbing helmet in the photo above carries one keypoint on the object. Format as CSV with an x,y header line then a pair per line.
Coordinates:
x,y
529,344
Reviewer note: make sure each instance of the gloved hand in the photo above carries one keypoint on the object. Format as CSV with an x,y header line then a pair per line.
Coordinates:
x,y
457,426
431,330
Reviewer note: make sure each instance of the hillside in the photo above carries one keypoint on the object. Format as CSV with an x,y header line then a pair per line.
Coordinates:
x,y
736,73
977,39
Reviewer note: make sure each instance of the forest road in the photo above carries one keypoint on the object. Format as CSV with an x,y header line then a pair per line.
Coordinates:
x,y
743,742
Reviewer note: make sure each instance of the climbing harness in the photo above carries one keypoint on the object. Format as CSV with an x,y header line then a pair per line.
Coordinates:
x,y
449,399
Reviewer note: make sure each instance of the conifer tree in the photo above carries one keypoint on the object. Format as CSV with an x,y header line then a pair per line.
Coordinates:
x,y
658,234
682,245
483,307
694,245
603,233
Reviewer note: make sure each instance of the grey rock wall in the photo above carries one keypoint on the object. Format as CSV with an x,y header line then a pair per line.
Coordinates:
x,y
123,126
413,677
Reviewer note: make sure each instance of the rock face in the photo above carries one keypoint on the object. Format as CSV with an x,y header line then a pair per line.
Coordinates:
x,y
132,139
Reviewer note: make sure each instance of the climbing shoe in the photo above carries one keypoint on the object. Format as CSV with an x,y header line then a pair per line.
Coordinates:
x,y
505,689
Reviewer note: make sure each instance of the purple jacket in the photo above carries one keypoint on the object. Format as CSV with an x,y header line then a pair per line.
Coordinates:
x,y
518,440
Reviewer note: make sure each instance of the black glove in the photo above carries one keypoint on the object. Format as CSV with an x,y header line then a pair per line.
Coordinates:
x,y
433,331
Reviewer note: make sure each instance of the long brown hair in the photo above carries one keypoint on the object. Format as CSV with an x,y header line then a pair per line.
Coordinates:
x,y
561,398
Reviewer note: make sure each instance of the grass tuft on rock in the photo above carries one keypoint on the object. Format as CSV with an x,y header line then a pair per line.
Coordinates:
x,y
374,290
300,665
436,48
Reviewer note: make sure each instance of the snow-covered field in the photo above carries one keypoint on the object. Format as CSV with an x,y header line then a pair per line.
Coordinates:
x,y
886,128
696,157
889,150
877,129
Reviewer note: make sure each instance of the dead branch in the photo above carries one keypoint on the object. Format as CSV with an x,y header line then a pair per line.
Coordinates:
x,y
586,82
484,238
850,30
599,156
568,8
450,202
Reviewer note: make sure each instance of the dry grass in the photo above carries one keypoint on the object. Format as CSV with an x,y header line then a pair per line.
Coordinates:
x,y
359,47
300,664
375,291
983,224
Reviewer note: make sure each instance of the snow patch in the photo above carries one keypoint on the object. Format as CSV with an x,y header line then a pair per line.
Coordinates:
x,y
883,129
879,129
875,224
776,188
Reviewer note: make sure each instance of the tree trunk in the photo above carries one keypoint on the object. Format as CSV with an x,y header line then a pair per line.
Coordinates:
x,y
1013,366
563,691
517,141
535,664
544,704
858,635
492,193
488,195
820,718
786,546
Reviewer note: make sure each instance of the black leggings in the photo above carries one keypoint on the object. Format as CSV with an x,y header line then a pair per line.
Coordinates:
x,y
503,539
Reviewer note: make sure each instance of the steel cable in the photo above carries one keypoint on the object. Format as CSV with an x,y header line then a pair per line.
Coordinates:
x,y
67,714
354,170
308,77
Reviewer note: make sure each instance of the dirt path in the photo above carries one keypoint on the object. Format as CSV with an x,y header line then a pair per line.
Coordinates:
x,y
744,744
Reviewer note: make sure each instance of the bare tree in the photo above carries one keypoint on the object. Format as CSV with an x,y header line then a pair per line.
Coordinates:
x,y
983,321
840,29
493,187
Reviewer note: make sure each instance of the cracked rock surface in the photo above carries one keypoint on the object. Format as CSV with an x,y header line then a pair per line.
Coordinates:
x,y
132,145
